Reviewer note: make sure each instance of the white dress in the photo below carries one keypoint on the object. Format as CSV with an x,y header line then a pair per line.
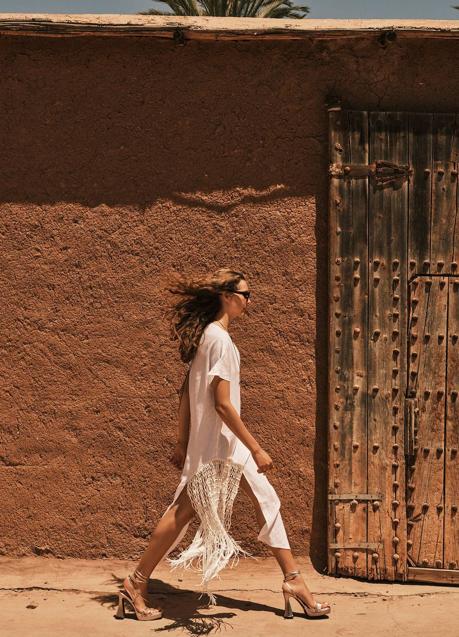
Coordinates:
x,y
210,437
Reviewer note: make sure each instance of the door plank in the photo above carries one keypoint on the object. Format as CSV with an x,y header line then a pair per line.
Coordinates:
x,y
433,575
348,338
445,137
339,202
388,212
451,553
444,186
425,503
420,159
445,148
354,437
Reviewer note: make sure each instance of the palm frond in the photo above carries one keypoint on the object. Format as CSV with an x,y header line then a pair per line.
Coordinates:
x,y
154,12
266,9
178,7
234,8
214,7
284,10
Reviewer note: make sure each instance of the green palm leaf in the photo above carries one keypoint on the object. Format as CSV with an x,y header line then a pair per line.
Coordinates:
x,y
233,8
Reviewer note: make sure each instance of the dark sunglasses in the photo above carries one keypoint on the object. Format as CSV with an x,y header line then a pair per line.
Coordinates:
x,y
245,293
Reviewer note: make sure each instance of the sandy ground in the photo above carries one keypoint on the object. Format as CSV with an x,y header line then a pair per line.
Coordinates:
x,y
46,596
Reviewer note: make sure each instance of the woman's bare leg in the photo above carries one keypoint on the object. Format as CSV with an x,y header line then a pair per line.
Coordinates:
x,y
284,557
162,537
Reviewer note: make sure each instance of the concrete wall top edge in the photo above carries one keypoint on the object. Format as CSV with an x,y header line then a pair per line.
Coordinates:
x,y
205,27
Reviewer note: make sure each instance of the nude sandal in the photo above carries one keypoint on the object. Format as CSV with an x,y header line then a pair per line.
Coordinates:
x,y
124,596
319,610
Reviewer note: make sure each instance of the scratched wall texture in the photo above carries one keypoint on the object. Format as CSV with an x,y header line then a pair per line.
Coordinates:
x,y
124,159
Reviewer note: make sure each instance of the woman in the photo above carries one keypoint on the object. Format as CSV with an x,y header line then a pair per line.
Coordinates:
x,y
209,425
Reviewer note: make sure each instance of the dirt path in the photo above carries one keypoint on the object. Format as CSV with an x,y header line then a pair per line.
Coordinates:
x,y
41,597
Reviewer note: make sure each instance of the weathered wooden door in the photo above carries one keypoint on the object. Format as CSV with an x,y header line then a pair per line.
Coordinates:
x,y
393,345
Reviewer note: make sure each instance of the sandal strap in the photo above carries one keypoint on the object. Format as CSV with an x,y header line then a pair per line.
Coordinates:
x,y
139,577
148,611
291,575
137,595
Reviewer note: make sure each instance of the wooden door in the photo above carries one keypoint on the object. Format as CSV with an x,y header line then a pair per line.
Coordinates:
x,y
393,281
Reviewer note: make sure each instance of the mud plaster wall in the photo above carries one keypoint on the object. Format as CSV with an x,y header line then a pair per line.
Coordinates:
x,y
128,158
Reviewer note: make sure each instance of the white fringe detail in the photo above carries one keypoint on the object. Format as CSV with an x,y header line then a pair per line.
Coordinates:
x,y
212,490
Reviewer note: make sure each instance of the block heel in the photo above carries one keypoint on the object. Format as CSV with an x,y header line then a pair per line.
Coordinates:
x,y
288,613
120,610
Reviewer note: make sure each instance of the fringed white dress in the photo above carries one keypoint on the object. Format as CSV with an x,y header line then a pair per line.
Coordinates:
x,y
210,437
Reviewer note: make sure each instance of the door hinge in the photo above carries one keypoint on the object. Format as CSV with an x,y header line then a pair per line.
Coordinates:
x,y
362,497
372,546
381,171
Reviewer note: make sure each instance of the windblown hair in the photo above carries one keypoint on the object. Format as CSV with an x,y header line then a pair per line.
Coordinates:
x,y
198,306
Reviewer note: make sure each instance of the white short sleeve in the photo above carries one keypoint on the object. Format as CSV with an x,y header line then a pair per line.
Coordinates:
x,y
220,360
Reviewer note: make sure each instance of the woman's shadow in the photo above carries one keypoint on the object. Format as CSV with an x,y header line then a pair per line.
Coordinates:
x,y
183,607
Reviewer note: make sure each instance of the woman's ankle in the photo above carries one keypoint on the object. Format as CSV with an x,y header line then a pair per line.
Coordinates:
x,y
138,580
292,573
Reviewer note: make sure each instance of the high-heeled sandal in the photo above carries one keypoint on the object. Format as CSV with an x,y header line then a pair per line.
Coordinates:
x,y
318,610
125,596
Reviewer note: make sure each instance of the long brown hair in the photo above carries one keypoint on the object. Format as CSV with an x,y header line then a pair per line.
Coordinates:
x,y
198,306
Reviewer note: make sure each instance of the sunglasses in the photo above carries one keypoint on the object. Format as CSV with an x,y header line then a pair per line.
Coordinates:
x,y
245,293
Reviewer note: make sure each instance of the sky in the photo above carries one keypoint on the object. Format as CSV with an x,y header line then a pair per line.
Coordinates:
x,y
364,9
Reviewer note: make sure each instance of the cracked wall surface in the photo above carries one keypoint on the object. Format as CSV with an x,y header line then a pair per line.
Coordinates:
x,y
124,160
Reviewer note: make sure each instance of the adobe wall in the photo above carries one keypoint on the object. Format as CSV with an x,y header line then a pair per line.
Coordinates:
x,y
128,158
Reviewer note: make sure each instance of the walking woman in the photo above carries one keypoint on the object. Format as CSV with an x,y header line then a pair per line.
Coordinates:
x,y
215,450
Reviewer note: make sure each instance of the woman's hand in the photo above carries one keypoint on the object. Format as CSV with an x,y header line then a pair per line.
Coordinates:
x,y
263,461
179,455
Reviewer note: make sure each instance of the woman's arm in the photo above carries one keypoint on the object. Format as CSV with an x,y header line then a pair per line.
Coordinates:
x,y
231,418
184,414
179,454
